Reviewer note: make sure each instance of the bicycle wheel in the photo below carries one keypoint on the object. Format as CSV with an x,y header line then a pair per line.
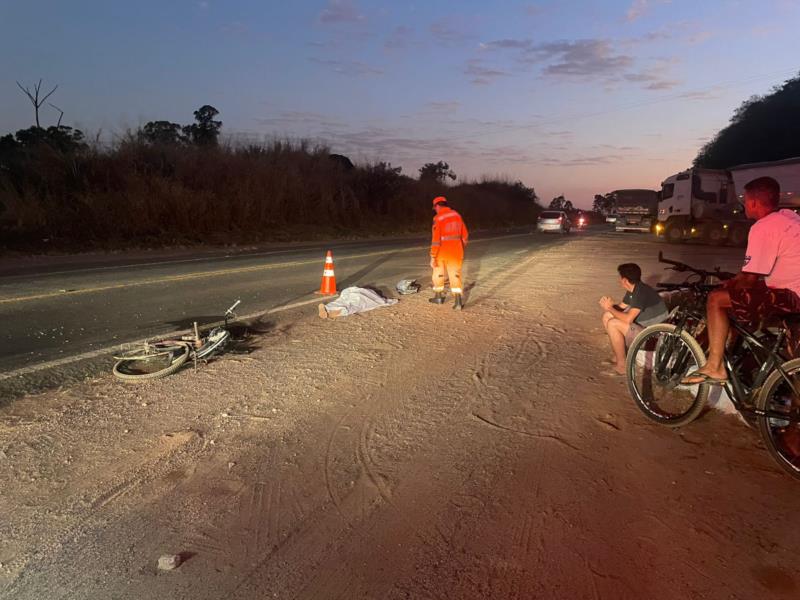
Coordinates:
x,y
214,342
657,361
151,363
781,435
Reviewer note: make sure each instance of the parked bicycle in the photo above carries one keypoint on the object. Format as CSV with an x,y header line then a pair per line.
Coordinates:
x,y
164,357
763,379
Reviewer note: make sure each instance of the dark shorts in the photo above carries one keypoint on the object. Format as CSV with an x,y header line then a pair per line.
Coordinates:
x,y
752,306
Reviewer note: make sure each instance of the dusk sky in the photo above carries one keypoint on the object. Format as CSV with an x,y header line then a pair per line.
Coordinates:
x,y
573,97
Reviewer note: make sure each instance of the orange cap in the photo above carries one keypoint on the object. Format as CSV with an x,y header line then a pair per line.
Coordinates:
x,y
439,200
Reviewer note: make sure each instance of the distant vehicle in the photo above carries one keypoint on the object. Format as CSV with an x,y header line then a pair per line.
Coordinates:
x,y
612,218
555,221
581,222
637,210
706,204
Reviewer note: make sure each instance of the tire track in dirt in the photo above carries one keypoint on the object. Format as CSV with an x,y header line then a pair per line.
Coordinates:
x,y
96,502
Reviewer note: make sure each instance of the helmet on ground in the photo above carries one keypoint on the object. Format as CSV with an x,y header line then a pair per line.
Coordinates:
x,y
407,286
439,200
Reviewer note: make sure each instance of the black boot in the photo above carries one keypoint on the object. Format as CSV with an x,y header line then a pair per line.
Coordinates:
x,y
438,298
458,304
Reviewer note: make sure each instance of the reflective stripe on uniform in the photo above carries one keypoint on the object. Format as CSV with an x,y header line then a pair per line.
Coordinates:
x,y
456,290
448,238
438,289
437,243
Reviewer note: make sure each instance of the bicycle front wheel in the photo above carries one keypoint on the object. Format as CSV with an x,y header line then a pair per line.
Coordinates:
x,y
780,426
657,360
153,362
214,342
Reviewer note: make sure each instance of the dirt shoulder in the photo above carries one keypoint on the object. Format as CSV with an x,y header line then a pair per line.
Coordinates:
x,y
412,452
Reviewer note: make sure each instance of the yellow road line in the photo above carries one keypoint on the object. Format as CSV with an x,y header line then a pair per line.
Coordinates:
x,y
216,273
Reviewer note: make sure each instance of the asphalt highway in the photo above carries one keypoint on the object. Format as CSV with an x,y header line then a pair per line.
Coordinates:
x,y
51,313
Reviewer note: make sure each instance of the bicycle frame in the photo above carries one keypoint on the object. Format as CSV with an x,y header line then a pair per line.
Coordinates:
x,y
740,396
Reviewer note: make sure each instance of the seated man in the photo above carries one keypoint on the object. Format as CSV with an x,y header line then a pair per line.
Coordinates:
x,y
640,308
773,252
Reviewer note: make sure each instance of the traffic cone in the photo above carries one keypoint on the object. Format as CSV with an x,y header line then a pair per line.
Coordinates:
x,y
328,287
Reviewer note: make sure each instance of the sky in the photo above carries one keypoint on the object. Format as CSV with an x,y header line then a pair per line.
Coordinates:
x,y
570,97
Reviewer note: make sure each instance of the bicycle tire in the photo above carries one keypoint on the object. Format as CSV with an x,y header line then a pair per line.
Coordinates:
x,y
697,354
766,424
148,352
174,364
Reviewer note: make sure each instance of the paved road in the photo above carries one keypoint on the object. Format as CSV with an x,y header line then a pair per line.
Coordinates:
x,y
53,312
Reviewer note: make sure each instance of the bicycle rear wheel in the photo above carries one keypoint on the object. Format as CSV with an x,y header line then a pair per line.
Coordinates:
x,y
657,361
157,360
780,429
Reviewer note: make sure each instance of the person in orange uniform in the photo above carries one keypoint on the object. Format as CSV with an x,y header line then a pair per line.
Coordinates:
x,y
450,236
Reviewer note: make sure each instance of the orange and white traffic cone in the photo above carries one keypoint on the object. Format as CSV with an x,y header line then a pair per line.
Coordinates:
x,y
328,287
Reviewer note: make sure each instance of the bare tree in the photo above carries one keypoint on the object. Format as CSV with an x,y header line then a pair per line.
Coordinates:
x,y
61,113
34,97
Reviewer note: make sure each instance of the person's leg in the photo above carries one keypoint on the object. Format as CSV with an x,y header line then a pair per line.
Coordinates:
x,y
438,283
607,317
616,334
456,283
719,325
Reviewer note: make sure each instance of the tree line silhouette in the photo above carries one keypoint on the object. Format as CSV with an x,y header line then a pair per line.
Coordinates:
x,y
167,183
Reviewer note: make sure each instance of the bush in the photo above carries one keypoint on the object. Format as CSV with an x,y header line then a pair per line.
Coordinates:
x,y
142,191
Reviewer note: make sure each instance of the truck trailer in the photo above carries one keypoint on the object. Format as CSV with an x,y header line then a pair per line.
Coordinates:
x,y
636,209
706,204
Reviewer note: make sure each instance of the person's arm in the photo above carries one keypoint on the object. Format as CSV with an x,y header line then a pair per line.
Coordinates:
x,y
436,242
626,315
760,257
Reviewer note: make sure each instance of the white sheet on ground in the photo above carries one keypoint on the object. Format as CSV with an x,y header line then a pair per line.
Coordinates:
x,y
355,300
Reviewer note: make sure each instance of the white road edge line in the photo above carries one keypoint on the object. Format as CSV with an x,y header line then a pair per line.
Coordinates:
x,y
111,349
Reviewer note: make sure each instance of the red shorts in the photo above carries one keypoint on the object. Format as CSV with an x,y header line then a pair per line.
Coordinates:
x,y
751,306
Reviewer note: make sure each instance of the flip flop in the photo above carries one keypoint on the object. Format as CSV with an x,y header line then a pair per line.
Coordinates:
x,y
612,373
704,380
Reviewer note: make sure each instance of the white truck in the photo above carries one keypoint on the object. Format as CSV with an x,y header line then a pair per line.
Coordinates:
x,y
706,204
636,209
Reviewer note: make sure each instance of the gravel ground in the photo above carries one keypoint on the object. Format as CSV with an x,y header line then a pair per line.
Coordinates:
x,y
411,452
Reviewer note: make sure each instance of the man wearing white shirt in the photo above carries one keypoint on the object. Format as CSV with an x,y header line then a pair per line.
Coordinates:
x,y
769,284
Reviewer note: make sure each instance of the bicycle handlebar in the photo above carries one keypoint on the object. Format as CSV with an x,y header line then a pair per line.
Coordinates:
x,y
681,267
233,306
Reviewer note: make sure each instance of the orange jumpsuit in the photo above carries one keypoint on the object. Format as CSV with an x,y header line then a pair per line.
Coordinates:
x,y
450,236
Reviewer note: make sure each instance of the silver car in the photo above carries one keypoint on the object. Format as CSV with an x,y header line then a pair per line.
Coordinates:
x,y
555,221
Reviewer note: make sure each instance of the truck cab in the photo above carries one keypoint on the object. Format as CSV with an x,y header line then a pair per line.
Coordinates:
x,y
700,203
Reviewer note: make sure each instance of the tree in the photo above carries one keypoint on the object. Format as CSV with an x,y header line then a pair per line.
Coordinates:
x,y
341,160
763,128
162,133
37,102
561,203
437,172
205,132
386,167
64,139
603,204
